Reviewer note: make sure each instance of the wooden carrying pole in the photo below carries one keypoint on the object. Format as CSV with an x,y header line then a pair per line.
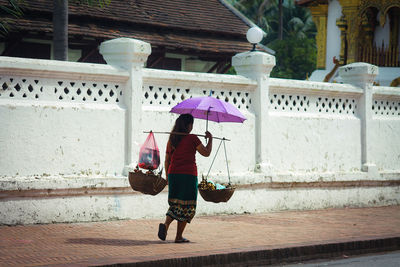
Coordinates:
x,y
177,133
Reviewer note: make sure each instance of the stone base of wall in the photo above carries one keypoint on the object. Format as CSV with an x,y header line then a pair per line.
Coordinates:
x,y
113,199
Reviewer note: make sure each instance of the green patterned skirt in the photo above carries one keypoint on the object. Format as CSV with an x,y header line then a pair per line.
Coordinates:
x,y
182,196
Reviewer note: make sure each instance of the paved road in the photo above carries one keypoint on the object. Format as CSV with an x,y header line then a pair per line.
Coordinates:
x,y
229,238
379,260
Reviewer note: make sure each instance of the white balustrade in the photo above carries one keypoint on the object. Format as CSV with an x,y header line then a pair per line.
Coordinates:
x,y
69,119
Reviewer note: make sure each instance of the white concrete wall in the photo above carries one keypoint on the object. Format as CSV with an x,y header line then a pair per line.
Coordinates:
x,y
56,139
386,125
49,129
306,127
139,206
60,118
70,126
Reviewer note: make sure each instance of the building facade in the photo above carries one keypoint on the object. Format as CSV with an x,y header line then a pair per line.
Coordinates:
x,y
357,31
199,36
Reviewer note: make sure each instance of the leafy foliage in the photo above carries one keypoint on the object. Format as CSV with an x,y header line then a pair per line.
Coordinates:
x,y
297,22
258,11
296,53
295,58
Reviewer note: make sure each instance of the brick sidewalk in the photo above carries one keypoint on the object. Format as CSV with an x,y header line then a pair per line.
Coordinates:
x,y
135,241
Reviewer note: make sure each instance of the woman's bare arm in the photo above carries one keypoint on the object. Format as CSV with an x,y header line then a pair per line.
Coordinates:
x,y
205,150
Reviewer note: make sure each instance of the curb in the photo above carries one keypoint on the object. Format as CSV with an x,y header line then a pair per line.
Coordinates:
x,y
277,256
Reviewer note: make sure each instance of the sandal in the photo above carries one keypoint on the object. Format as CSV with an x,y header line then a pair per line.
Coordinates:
x,y
162,231
183,240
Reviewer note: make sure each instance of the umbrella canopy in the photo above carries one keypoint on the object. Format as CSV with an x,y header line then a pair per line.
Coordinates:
x,y
209,108
213,109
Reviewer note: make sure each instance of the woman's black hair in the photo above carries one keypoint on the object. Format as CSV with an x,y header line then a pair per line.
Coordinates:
x,y
182,124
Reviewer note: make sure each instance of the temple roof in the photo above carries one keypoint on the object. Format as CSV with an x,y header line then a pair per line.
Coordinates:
x,y
211,26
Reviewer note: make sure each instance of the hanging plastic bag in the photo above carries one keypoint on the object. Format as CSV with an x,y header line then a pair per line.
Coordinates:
x,y
149,155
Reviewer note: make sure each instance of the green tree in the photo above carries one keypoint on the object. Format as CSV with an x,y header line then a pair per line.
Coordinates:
x,y
295,58
290,32
257,11
296,53
297,22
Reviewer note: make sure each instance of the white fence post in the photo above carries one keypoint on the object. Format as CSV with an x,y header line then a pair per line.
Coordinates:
x,y
258,66
362,75
129,54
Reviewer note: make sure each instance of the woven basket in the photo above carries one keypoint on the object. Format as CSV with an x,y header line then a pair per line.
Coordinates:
x,y
149,184
216,196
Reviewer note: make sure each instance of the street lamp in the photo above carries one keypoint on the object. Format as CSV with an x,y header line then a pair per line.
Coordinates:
x,y
254,35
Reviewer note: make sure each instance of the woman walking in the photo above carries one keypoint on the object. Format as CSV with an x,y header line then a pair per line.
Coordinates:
x,y
181,173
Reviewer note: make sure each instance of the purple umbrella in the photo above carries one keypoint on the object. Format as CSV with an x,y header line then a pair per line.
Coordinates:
x,y
209,108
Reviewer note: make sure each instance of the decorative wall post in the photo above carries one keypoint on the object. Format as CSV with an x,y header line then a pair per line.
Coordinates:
x,y
362,75
258,66
130,55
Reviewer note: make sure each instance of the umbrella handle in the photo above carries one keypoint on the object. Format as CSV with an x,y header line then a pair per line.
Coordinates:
x,y
208,111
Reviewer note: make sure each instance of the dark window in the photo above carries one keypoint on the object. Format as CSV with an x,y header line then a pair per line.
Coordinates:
x,y
92,55
168,64
28,50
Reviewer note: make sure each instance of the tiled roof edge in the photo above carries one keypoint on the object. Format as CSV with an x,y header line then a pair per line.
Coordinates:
x,y
154,24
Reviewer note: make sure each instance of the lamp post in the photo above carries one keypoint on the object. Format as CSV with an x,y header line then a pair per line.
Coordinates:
x,y
254,35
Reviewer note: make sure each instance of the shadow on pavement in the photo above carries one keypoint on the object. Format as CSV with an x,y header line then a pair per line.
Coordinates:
x,y
112,242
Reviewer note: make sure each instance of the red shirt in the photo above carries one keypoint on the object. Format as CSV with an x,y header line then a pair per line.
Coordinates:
x,y
183,160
